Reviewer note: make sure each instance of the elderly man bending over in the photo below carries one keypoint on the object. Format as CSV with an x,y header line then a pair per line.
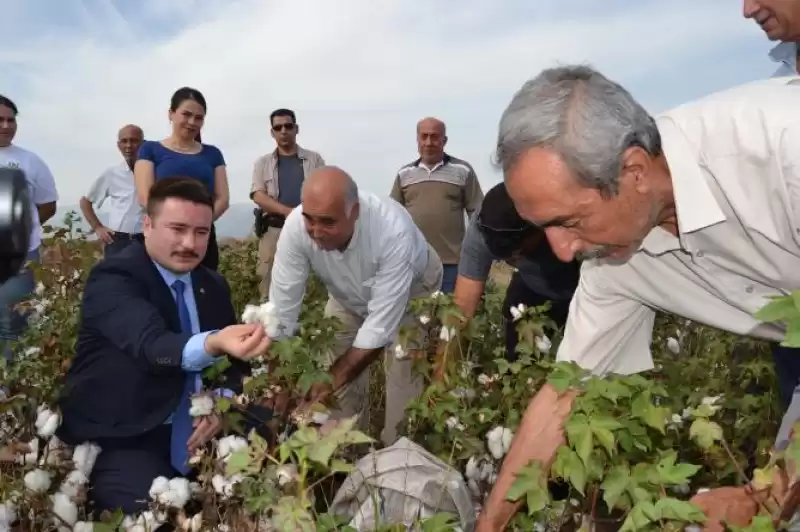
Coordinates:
x,y
693,213
373,259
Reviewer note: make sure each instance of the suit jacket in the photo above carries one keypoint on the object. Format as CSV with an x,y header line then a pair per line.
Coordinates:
x,y
126,377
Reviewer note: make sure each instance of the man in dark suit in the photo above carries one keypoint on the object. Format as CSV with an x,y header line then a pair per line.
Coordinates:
x,y
152,319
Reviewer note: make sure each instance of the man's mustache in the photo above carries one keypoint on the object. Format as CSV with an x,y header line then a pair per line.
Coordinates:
x,y
186,254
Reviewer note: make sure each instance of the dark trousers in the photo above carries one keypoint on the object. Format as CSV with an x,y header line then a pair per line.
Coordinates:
x,y
120,242
787,371
518,292
125,470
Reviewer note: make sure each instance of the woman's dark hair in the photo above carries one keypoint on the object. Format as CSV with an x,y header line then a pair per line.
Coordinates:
x,y
6,102
282,112
503,229
188,93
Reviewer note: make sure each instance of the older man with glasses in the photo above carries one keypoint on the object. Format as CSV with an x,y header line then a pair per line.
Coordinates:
x,y
277,180
497,232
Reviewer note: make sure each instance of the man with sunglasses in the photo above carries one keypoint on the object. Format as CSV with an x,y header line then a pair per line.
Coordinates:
x,y
497,232
277,180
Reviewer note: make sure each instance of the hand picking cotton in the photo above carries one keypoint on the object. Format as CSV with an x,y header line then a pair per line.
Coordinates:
x,y
266,314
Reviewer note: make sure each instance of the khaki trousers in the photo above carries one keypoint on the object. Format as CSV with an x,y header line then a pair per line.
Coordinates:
x,y
266,256
402,386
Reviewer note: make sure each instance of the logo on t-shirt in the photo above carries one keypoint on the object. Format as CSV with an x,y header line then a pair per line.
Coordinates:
x,y
11,164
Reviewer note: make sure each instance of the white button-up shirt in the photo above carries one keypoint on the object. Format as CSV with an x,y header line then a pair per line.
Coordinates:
x,y
115,188
734,158
373,278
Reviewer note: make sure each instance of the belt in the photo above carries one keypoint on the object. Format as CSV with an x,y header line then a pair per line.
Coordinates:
x,y
125,236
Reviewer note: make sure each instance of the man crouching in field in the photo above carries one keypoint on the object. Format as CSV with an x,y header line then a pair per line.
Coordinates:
x,y
372,259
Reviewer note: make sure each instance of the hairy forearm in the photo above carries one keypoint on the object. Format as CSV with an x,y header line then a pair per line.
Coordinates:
x,y
88,212
538,437
351,364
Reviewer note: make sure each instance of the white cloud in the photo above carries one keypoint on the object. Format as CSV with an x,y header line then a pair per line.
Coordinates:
x,y
359,73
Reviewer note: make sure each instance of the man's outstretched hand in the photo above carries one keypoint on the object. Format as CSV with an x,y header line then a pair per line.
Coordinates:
x,y
731,505
243,341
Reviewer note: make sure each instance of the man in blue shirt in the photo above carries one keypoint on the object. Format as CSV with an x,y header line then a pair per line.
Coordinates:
x,y
152,319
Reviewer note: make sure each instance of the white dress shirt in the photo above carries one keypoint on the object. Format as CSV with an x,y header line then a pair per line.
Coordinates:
x,y
734,158
373,277
115,188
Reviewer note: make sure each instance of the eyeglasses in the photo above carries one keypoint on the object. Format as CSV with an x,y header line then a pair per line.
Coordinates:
x,y
280,127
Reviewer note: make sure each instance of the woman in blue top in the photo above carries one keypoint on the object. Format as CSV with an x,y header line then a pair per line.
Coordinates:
x,y
183,155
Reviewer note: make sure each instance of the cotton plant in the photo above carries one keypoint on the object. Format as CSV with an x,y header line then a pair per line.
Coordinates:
x,y
266,314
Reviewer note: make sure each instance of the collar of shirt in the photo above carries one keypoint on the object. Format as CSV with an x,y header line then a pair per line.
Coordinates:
x,y
695,205
170,277
444,161
786,54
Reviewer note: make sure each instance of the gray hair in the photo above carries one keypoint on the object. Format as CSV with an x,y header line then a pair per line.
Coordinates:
x,y
587,119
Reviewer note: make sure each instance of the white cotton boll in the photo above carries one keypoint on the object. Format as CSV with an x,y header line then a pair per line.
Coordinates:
x,y
673,345
195,523
515,313
37,481
84,457
286,474
543,344
8,514
47,422
31,352
83,526
229,445
177,493
400,353
447,333
424,319
472,470
487,471
453,423
31,456
693,528
251,314
320,418
463,393
74,483
202,405
499,440
474,488
225,486
159,486
64,508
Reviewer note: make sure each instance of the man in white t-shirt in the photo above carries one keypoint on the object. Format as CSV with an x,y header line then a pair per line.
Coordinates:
x,y
115,188
43,197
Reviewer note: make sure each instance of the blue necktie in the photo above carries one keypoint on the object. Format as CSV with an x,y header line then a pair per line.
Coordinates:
x,y
181,421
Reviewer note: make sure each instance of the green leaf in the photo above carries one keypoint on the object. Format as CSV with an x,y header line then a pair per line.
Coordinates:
x,y
615,484
568,466
340,466
705,433
639,517
530,482
579,433
651,415
441,522
676,510
779,309
675,474
322,451
601,429
223,404
792,338
238,462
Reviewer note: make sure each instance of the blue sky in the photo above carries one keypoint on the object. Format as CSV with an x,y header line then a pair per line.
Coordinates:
x,y
359,73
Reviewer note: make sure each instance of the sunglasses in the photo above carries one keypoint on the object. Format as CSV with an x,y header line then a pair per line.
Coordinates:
x,y
280,127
